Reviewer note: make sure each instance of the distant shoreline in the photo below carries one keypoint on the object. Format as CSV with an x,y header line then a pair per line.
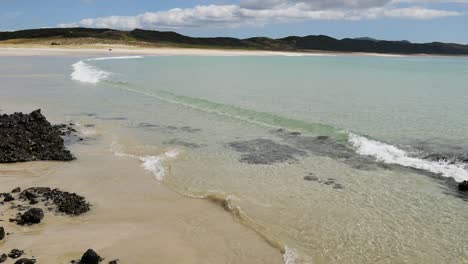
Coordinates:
x,y
15,50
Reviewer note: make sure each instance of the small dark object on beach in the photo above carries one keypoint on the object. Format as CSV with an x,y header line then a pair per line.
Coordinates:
x,y
8,197
15,253
2,233
32,216
30,137
25,261
16,190
90,257
463,186
113,261
311,178
3,257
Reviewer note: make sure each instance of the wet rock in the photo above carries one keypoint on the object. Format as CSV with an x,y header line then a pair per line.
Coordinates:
x,y
2,233
25,261
3,258
15,253
265,151
68,203
8,197
29,137
16,190
32,216
113,261
90,257
463,186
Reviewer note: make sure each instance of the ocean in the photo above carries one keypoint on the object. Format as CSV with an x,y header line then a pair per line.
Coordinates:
x,y
329,158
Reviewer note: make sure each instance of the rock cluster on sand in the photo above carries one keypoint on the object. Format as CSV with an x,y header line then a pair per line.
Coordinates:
x,y
63,202
30,137
2,233
15,253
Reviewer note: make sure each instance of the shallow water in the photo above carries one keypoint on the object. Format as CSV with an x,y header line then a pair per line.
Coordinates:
x,y
322,156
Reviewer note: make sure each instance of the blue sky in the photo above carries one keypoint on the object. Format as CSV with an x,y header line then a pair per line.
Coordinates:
x,y
414,20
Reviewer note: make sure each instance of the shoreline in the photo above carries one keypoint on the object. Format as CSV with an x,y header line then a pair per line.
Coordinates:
x,y
119,50
133,217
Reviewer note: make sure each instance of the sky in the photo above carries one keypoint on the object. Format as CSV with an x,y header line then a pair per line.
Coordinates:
x,y
413,20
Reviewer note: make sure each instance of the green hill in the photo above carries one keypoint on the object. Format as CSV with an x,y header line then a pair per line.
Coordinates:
x,y
292,43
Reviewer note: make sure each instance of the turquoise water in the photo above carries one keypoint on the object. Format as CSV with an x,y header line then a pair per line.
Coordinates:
x,y
324,156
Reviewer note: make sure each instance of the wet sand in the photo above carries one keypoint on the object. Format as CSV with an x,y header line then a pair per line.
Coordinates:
x,y
134,218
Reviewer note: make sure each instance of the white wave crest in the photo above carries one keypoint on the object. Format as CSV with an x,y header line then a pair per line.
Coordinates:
x,y
86,73
153,164
116,58
393,155
289,256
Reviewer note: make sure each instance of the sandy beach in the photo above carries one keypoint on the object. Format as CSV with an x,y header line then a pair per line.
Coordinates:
x,y
132,50
134,218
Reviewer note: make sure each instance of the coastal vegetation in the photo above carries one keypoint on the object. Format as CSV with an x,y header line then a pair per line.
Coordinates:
x,y
151,38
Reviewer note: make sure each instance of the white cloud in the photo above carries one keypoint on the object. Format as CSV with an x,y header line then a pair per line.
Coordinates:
x,y
256,12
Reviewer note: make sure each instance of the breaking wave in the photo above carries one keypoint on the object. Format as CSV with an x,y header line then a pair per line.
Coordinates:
x,y
392,155
86,73
152,163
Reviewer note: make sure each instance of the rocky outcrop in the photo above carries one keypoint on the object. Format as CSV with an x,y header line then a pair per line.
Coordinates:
x,y
90,257
463,186
30,137
32,216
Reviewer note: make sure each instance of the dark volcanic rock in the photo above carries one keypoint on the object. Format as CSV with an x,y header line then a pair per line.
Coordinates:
x,y
265,151
15,253
2,233
29,137
8,197
68,203
90,257
463,186
16,190
32,216
3,257
25,261
113,261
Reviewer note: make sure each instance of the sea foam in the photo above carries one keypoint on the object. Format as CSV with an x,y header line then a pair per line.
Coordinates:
x,y
289,256
83,72
153,164
392,155
86,73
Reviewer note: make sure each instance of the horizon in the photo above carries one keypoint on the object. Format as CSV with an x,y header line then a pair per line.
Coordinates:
x,y
418,21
